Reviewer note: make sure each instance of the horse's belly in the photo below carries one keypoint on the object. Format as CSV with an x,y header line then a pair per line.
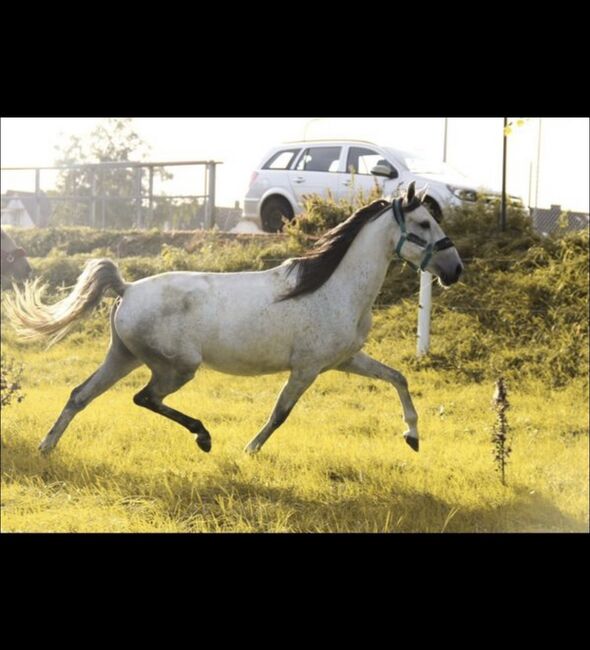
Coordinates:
x,y
245,360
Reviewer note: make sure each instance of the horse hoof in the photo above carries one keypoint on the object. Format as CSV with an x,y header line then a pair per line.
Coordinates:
x,y
413,442
45,448
204,444
251,450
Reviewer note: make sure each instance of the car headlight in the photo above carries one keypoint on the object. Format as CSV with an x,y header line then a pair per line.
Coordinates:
x,y
463,193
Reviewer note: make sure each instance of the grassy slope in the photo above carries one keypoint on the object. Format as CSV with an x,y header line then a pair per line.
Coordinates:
x,y
338,464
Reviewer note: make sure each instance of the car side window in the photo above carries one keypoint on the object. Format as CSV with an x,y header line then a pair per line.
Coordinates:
x,y
281,159
361,160
320,159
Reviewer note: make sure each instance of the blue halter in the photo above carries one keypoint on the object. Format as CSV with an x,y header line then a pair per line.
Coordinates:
x,y
429,249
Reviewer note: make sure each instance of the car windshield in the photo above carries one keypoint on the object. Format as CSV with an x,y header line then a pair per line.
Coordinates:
x,y
419,165
424,166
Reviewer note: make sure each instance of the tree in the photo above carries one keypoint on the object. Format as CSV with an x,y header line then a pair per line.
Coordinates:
x,y
113,140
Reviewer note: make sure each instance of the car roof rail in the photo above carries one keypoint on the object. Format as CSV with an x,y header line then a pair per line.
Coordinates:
x,y
316,140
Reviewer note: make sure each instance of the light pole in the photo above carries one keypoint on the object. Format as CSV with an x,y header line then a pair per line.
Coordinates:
x,y
503,210
538,163
313,119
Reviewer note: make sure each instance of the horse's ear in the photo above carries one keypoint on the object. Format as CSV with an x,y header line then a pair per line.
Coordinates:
x,y
421,194
411,192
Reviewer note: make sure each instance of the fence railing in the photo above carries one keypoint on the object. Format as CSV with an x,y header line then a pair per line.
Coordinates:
x,y
141,202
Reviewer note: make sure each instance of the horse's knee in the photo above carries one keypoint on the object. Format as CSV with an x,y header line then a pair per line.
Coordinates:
x,y
77,402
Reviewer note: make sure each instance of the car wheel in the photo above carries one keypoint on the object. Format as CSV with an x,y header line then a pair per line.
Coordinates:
x,y
434,209
273,212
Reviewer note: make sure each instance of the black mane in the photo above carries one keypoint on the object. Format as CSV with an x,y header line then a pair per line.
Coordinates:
x,y
315,267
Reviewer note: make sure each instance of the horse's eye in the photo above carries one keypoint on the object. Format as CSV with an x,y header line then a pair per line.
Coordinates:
x,y
424,224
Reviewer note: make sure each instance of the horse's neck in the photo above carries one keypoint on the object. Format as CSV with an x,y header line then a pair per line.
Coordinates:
x,y
362,270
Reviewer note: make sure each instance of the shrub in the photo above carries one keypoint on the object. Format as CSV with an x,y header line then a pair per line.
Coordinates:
x,y
45,242
10,381
320,215
520,309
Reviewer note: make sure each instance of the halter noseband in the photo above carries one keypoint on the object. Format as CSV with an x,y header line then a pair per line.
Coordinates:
x,y
429,249
10,257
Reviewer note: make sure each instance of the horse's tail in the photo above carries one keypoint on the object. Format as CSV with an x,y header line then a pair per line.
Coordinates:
x,y
33,320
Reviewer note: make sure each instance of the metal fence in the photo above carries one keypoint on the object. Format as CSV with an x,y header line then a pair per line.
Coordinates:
x,y
140,203
555,220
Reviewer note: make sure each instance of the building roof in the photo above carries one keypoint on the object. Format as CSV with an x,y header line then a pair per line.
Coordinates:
x,y
29,201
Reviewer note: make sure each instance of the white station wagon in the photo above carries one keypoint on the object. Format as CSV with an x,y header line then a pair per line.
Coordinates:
x,y
289,172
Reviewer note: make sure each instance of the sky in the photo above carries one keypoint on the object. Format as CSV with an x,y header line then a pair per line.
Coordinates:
x,y
474,146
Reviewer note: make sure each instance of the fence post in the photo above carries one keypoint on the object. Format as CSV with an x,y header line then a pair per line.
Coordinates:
x,y
37,197
151,195
103,205
93,201
210,212
424,312
139,213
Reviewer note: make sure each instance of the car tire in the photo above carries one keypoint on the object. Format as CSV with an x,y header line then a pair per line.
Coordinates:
x,y
434,209
273,212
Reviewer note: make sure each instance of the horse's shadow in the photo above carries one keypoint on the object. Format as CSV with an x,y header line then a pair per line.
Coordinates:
x,y
181,496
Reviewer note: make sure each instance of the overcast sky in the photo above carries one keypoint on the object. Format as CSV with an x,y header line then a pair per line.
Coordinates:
x,y
474,147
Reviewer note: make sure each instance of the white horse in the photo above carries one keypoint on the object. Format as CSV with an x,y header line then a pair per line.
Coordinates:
x,y
308,315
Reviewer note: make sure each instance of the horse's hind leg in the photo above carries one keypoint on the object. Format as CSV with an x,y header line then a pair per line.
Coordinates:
x,y
166,380
118,363
363,364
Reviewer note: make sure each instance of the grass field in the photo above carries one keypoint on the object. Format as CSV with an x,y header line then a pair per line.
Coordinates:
x,y
339,463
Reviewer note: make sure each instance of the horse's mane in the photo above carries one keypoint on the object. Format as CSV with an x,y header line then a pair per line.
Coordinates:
x,y
315,267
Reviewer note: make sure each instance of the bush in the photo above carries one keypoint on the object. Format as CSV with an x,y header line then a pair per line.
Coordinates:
x,y
523,315
208,253
320,215
48,242
520,309
10,381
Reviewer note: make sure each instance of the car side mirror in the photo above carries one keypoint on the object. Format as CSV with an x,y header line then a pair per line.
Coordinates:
x,y
384,170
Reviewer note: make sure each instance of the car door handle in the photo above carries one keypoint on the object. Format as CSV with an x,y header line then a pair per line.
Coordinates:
x,y
299,179
347,183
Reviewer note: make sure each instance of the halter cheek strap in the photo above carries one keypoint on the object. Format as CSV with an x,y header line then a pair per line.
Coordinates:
x,y
429,249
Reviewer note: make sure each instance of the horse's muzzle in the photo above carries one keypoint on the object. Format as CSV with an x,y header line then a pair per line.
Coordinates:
x,y
447,279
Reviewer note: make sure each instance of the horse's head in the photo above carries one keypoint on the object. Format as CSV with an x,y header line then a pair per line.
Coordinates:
x,y
14,259
421,241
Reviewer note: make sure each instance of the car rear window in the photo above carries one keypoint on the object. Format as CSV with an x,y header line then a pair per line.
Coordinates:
x,y
281,159
320,159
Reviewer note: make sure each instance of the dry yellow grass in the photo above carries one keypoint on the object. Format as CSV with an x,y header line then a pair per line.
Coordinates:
x,y
338,464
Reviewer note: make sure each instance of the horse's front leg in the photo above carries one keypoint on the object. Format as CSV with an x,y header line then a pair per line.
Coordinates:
x,y
363,364
299,381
